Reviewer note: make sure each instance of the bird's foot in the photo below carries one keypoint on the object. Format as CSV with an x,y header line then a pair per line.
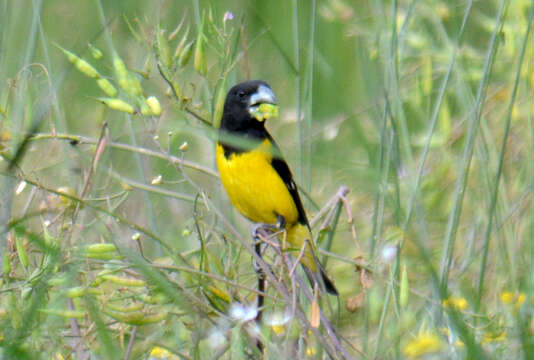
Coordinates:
x,y
258,228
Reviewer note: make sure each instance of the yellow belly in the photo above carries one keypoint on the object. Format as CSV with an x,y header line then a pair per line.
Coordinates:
x,y
254,187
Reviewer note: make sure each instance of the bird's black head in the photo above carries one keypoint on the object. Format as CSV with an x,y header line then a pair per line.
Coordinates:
x,y
247,106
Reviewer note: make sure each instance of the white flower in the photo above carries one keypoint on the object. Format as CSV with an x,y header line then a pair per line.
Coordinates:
x,y
228,16
389,252
243,313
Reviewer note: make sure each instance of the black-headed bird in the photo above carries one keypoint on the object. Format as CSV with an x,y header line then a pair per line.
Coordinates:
x,y
257,179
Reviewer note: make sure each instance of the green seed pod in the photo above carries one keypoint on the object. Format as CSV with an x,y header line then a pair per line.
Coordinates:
x,y
120,68
86,68
125,309
95,52
404,288
105,256
145,110
101,248
69,314
154,105
118,104
153,318
56,281
124,281
21,251
134,86
199,61
218,103
181,45
76,292
157,299
106,86
186,54
163,49
6,264
83,66
132,318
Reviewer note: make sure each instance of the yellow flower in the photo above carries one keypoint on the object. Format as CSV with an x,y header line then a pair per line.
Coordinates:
x,y
459,303
507,297
278,329
160,353
58,356
311,351
424,343
278,322
493,337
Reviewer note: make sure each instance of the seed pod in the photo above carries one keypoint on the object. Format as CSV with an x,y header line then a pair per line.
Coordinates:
x,y
106,86
124,281
101,248
153,318
105,256
95,52
181,45
135,86
21,251
154,105
315,319
218,103
83,66
157,299
163,49
404,288
186,54
120,68
76,292
6,265
356,302
199,61
118,104
132,318
125,309
69,314
220,294
145,110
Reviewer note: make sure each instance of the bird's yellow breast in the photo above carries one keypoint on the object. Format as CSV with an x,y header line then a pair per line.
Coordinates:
x,y
253,185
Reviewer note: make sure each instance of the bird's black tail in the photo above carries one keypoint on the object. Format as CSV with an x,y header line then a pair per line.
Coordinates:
x,y
321,278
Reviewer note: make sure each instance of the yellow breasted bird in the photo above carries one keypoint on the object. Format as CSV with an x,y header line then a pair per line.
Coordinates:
x,y
257,179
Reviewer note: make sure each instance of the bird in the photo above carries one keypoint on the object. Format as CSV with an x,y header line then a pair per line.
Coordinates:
x,y
256,177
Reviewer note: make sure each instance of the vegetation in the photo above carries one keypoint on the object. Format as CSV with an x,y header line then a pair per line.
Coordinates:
x,y
408,126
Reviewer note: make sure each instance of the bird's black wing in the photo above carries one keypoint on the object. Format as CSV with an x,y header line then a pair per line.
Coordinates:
x,y
281,167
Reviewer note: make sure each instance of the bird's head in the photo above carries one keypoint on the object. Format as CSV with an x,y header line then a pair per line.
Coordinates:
x,y
248,105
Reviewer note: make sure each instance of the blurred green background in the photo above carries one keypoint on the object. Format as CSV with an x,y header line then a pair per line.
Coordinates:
x,y
407,103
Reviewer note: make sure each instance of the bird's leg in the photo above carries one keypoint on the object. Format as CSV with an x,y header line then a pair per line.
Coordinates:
x,y
261,280
280,222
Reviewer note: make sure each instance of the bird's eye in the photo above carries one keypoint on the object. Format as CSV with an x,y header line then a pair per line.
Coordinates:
x,y
241,93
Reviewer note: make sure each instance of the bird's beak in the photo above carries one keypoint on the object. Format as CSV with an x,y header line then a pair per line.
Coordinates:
x,y
262,104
